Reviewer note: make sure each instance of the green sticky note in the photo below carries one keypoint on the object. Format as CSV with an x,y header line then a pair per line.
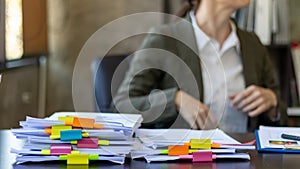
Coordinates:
x,y
163,151
93,156
63,157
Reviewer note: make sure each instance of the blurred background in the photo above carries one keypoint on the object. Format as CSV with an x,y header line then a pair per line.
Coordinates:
x,y
41,39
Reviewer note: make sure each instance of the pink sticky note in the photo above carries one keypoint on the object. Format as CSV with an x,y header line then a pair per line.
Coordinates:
x,y
60,149
202,156
87,143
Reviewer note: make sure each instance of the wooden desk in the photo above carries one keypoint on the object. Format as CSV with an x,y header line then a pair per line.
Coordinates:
x,y
258,160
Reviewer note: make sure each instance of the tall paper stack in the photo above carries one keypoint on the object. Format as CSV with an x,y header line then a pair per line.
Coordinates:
x,y
77,137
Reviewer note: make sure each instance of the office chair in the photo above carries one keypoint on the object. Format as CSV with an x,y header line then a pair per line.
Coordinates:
x,y
103,70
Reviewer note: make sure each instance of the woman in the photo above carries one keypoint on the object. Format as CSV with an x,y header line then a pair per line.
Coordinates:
x,y
236,86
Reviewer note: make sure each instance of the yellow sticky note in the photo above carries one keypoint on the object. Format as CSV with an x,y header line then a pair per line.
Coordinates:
x,y
45,152
103,142
200,143
54,137
68,120
74,142
75,152
78,159
56,129
85,134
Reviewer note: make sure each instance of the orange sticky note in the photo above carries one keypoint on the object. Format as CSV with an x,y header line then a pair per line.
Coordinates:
x,y
215,145
98,126
186,144
48,131
178,150
83,122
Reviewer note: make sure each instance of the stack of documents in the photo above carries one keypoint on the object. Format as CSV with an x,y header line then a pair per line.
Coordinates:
x,y
184,144
278,139
77,137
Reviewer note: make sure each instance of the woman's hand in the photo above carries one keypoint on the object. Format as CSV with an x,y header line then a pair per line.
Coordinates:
x,y
255,100
194,112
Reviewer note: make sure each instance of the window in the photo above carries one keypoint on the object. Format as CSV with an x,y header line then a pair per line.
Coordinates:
x,y
13,29
23,32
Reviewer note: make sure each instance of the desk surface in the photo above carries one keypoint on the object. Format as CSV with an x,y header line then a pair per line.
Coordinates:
x,y
258,160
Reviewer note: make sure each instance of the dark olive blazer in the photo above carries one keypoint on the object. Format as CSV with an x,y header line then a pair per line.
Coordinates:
x,y
178,39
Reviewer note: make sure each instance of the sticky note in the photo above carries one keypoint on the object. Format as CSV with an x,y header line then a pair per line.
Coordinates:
x,y
48,131
68,120
200,143
215,145
178,150
63,157
78,159
75,152
103,142
98,126
56,129
84,134
83,122
69,135
164,151
93,156
87,143
60,149
202,156
54,137
45,152
74,142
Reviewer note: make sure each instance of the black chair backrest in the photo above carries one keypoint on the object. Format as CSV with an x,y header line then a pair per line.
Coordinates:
x,y
103,70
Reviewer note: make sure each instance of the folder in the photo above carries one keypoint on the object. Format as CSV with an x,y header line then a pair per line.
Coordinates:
x,y
261,148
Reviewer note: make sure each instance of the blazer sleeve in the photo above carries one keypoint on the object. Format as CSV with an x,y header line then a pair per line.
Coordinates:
x,y
138,93
260,71
270,81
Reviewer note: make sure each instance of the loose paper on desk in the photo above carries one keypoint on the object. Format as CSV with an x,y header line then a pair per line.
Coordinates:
x,y
165,137
155,142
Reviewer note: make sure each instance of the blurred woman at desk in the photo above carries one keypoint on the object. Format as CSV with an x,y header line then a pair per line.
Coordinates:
x,y
236,86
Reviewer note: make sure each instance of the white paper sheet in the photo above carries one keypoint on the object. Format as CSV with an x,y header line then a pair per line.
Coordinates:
x,y
164,137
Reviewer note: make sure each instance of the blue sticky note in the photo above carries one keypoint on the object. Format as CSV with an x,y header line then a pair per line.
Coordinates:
x,y
69,135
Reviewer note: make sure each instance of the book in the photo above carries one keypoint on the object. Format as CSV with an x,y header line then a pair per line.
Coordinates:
x,y
282,35
263,20
293,111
